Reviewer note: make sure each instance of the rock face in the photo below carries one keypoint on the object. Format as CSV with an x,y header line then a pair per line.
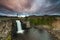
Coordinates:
x,y
5,28
56,25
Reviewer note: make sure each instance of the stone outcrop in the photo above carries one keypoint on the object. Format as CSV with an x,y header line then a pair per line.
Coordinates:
x,y
5,28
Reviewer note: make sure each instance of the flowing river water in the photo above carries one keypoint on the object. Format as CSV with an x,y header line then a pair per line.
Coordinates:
x,y
33,34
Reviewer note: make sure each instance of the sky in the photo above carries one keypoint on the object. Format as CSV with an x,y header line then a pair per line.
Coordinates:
x,y
36,7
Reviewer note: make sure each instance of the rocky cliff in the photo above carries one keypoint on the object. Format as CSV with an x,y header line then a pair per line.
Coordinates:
x,y
5,28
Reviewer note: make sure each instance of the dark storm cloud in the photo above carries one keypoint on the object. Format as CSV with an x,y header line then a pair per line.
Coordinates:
x,y
49,7
36,7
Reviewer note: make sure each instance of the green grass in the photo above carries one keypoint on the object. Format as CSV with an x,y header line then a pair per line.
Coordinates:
x,y
41,21
9,36
34,21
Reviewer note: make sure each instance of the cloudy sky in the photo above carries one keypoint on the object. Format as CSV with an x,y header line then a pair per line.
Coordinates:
x,y
42,7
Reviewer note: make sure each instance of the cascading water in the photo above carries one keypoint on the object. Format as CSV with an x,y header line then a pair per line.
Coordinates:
x,y
19,27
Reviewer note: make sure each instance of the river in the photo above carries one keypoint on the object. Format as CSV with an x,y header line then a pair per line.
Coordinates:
x,y
33,34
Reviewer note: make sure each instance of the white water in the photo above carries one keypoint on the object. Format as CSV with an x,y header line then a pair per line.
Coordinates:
x,y
19,27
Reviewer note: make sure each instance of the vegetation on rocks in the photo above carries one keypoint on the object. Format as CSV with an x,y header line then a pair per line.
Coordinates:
x,y
45,21
41,20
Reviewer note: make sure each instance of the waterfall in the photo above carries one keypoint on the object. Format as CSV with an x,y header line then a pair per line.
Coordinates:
x,y
19,27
